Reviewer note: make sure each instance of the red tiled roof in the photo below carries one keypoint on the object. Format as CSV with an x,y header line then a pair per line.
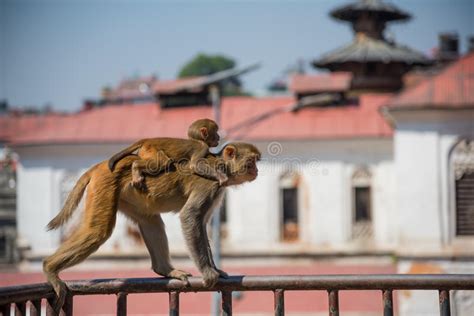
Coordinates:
x,y
12,126
269,120
334,82
451,88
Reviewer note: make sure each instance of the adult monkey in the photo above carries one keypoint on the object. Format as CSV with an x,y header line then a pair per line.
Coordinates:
x,y
194,197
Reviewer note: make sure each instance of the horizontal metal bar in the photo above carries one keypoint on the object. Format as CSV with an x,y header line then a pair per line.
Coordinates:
x,y
19,293
248,283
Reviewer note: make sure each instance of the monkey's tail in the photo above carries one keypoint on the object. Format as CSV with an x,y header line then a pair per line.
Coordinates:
x,y
72,201
127,151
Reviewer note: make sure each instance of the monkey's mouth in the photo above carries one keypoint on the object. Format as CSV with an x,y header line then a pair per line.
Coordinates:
x,y
252,169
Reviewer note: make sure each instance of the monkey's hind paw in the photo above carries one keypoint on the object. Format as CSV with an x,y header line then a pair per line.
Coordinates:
x,y
210,277
180,275
139,184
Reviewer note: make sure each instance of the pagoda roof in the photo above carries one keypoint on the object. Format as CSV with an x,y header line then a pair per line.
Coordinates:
x,y
365,49
384,11
332,82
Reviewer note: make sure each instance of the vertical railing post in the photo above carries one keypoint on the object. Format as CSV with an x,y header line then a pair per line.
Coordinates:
x,y
50,307
333,303
444,304
20,309
68,304
226,303
121,304
6,309
387,302
279,302
35,308
174,303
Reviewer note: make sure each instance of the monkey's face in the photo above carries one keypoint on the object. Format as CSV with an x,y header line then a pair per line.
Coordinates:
x,y
242,161
213,139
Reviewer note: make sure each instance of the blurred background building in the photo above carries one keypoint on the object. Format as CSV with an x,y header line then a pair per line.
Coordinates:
x,y
374,158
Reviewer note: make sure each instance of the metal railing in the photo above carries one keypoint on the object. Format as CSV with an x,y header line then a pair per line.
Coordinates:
x,y
17,299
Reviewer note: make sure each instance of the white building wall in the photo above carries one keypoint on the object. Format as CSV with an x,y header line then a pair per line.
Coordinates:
x,y
325,194
253,213
423,141
417,168
329,221
35,208
384,205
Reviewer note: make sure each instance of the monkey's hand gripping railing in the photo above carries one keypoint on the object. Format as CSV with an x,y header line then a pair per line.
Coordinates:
x,y
18,299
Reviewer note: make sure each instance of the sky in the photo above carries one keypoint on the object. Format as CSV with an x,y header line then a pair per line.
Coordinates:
x,y
59,53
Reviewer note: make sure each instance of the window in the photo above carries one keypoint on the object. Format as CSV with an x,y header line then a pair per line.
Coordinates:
x,y
289,207
463,164
361,204
465,205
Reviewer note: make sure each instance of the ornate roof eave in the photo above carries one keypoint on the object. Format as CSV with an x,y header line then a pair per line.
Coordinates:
x,y
385,11
365,50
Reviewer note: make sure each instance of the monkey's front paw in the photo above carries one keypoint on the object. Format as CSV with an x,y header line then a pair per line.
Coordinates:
x,y
179,274
210,277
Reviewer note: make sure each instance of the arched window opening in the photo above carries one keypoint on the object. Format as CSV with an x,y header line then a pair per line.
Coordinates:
x,y
463,164
361,204
289,183
8,235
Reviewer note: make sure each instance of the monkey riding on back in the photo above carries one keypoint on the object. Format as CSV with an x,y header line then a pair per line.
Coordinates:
x,y
187,193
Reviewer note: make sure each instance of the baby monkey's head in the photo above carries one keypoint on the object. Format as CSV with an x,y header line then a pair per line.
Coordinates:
x,y
205,130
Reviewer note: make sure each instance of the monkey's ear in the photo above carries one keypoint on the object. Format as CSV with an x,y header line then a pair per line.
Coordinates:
x,y
229,152
204,133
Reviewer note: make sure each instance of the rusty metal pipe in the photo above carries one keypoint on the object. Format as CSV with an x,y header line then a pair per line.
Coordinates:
x,y
246,283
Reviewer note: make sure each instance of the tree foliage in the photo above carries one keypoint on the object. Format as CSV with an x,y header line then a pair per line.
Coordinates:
x,y
203,65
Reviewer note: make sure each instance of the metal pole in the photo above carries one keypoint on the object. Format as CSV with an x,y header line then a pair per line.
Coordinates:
x,y
216,219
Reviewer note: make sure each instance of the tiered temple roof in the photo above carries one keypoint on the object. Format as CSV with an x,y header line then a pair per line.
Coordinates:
x,y
377,64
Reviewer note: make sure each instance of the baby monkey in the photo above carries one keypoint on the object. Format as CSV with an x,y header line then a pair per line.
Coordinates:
x,y
159,153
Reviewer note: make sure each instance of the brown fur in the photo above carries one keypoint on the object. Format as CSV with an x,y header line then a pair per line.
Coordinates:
x,y
194,197
158,154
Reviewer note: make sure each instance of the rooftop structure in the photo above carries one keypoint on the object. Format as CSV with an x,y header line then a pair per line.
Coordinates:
x,y
376,62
